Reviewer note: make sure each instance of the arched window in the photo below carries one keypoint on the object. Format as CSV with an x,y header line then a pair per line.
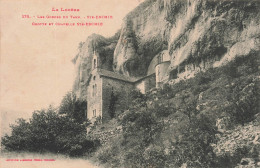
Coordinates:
x,y
94,64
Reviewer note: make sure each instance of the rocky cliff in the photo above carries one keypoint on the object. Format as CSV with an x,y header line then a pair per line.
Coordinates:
x,y
197,34
104,48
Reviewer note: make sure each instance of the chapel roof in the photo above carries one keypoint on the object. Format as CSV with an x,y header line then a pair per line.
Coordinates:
x,y
117,76
110,74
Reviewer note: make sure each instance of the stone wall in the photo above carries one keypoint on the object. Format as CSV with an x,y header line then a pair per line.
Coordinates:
x,y
146,84
121,90
104,48
161,72
105,136
94,101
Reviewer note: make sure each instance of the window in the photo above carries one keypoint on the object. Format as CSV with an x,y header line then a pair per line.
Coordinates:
x,y
94,90
95,64
94,77
94,113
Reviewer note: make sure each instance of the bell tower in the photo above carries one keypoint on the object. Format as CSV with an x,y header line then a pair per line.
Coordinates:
x,y
95,61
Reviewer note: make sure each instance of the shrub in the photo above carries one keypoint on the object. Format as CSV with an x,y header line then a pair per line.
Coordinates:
x,y
20,137
133,157
193,148
197,89
73,107
136,94
203,80
230,70
189,104
231,160
243,103
140,129
166,89
162,110
155,157
141,125
242,66
108,154
47,131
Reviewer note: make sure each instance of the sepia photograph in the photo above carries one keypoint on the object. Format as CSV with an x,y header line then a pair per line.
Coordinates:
x,y
130,84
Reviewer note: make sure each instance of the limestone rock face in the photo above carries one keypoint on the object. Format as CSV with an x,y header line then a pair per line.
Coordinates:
x,y
197,34
144,34
241,137
104,48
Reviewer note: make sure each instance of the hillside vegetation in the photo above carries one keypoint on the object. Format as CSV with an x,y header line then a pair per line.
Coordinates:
x,y
210,120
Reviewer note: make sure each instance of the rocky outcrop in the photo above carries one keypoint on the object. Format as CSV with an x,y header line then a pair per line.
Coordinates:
x,y
104,48
143,35
197,34
242,138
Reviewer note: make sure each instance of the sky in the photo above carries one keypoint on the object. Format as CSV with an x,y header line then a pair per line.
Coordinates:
x,y
35,61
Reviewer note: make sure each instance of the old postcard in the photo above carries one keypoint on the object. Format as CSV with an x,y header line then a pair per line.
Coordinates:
x,y
130,83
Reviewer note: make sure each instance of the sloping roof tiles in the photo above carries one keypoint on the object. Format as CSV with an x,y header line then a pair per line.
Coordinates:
x,y
110,74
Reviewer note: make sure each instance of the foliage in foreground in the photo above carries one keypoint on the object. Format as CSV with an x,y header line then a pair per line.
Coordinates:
x,y
142,144
48,131
167,127
73,107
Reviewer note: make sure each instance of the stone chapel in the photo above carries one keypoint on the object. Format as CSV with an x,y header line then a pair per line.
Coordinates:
x,y
103,83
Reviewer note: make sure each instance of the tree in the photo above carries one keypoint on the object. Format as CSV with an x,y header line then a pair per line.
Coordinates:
x,y
81,45
48,131
189,107
20,137
73,107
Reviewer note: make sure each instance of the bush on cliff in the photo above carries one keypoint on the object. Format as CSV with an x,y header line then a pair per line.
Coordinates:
x,y
141,143
192,144
243,102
